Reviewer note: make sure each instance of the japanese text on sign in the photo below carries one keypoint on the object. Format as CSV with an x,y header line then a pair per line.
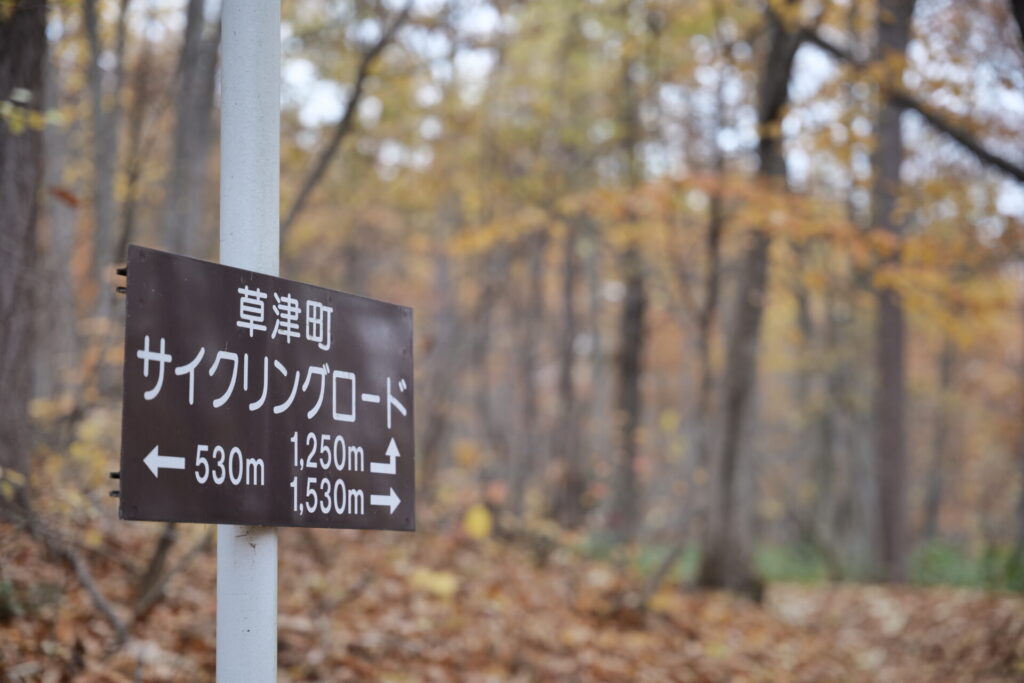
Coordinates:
x,y
263,401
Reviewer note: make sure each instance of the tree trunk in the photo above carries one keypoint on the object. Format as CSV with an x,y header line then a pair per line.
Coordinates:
x,y
22,60
440,365
940,447
1019,554
183,210
106,120
568,505
56,355
625,511
727,560
141,89
533,312
708,313
494,269
706,316
625,504
890,394
830,496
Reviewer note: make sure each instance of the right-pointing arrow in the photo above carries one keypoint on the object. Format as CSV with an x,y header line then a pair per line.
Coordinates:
x,y
391,500
154,461
390,466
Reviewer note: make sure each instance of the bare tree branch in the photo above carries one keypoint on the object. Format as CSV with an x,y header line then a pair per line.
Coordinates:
x,y
155,590
935,118
55,544
85,578
958,133
157,561
344,126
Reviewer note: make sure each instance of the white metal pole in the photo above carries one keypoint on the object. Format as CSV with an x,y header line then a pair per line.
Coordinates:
x,y
249,238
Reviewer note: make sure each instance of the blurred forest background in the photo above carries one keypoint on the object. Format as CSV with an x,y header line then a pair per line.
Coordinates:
x,y
721,293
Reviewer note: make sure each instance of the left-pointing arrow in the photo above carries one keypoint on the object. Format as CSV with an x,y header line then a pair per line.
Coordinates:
x,y
154,461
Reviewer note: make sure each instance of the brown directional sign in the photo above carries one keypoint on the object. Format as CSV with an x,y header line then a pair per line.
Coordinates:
x,y
250,399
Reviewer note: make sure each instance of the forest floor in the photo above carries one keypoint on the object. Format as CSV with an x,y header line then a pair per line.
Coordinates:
x,y
426,607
